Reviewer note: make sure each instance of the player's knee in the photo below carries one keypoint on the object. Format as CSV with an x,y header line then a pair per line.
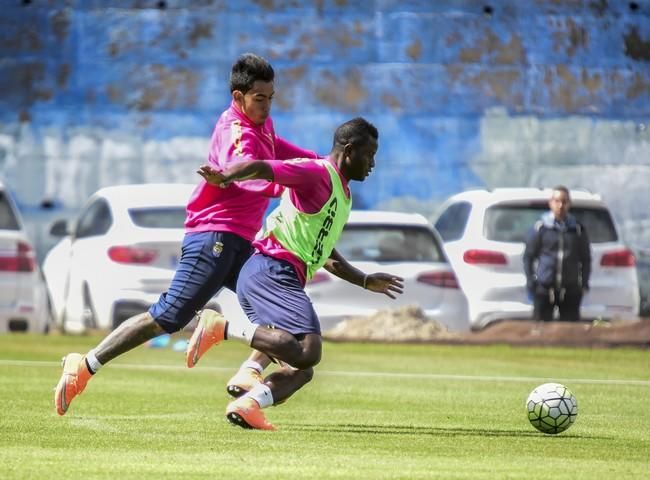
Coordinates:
x,y
308,358
313,357
300,354
302,359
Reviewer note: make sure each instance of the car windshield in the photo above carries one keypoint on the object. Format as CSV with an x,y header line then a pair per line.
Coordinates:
x,y
162,217
389,243
8,220
511,223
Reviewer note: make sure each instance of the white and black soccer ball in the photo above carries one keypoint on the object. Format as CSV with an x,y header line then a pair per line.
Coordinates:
x,y
551,408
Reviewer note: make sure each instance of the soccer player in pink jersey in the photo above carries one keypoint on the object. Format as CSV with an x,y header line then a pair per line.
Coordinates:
x,y
220,226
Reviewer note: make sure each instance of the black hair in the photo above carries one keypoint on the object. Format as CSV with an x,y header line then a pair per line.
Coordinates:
x,y
562,188
354,131
248,69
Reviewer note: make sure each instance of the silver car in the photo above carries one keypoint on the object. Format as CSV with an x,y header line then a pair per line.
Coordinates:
x,y
484,234
118,256
398,243
23,297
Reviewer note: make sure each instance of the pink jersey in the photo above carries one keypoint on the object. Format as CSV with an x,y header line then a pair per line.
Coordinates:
x,y
310,186
239,208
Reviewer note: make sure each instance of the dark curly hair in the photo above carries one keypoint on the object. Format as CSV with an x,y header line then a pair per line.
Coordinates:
x,y
354,131
248,69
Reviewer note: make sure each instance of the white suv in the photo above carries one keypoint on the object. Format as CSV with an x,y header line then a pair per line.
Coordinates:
x,y
24,304
484,234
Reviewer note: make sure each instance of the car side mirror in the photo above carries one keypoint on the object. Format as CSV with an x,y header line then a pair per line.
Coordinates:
x,y
60,228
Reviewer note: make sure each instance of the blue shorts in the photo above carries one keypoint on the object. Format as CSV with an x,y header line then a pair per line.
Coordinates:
x,y
209,261
271,294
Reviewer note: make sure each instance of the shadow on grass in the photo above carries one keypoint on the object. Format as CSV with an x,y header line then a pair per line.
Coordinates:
x,y
419,430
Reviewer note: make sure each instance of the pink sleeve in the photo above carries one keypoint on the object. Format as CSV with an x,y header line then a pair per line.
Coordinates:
x,y
230,146
309,181
285,150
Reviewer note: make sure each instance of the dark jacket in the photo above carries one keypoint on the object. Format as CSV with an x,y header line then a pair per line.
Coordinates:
x,y
557,255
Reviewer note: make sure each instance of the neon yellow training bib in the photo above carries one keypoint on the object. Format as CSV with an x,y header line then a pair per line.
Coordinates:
x,y
311,236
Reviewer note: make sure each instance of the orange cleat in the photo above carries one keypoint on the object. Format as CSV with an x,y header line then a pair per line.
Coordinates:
x,y
73,381
209,331
246,413
243,381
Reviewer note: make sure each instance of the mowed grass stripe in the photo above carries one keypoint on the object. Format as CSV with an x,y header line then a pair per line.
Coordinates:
x,y
424,376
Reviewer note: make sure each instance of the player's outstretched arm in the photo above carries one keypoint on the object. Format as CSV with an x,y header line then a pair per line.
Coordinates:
x,y
255,170
385,283
337,265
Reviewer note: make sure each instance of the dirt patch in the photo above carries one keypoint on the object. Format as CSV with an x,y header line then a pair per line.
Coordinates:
x,y
409,325
406,324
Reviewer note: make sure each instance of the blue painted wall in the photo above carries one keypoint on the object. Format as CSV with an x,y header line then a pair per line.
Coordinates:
x,y
465,93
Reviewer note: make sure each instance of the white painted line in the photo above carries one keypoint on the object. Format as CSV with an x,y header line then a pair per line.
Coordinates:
x,y
344,373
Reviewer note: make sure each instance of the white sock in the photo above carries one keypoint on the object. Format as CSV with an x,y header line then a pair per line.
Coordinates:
x,y
252,364
241,330
92,362
261,394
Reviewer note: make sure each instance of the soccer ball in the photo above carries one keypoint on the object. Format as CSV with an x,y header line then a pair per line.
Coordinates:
x,y
551,408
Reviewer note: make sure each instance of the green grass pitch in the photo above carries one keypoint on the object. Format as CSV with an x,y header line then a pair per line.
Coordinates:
x,y
373,411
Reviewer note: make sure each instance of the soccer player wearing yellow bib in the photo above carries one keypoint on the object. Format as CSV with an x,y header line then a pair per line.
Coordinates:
x,y
298,239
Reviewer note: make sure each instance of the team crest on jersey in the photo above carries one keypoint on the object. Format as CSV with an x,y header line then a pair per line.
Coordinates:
x,y
217,249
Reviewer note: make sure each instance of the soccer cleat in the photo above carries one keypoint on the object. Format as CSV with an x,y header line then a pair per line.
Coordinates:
x,y
209,331
73,380
243,381
246,413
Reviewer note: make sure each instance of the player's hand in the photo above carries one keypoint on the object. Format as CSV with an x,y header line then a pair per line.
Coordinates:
x,y
212,176
385,283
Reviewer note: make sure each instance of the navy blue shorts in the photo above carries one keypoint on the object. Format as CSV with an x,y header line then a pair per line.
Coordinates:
x,y
271,294
209,261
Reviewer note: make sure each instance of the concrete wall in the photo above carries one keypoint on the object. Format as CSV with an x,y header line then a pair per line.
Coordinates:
x,y
465,93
